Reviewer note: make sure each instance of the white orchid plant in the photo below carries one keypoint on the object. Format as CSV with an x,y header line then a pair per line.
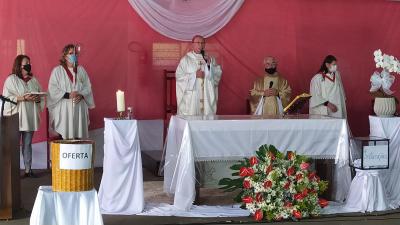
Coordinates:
x,y
381,82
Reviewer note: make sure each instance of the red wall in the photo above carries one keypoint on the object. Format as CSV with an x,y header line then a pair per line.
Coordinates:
x,y
117,48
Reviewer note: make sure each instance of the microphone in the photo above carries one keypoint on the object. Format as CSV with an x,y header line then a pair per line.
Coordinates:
x,y
4,99
203,54
270,84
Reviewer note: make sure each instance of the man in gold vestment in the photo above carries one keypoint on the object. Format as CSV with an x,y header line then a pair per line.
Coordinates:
x,y
271,92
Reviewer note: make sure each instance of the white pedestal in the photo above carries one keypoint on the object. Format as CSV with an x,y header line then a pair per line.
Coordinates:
x,y
121,188
367,193
66,208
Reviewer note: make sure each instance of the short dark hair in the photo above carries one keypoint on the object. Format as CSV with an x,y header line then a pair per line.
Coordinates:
x,y
197,36
328,59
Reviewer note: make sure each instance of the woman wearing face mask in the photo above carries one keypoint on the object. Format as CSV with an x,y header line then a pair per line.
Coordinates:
x,y
17,87
327,91
70,97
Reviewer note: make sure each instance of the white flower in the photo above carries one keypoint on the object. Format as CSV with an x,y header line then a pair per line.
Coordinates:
x,y
378,52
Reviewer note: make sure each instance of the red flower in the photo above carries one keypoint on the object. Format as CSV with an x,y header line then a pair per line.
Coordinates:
x,y
290,171
322,202
297,214
267,184
298,196
259,197
313,191
311,175
290,155
247,199
253,161
299,176
271,155
288,204
258,215
304,192
287,185
304,165
269,169
246,184
244,172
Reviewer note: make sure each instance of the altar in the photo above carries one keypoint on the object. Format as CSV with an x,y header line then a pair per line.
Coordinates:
x,y
208,138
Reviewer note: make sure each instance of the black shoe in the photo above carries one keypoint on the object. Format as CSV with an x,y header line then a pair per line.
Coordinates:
x,y
31,174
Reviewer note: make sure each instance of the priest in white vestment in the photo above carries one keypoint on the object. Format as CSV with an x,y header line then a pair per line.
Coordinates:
x,y
23,88
197,79
326,88
70,97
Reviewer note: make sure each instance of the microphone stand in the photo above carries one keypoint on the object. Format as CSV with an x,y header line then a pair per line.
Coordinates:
x,y
204,57
4,100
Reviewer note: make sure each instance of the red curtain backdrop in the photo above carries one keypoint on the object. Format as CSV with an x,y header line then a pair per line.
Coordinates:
x,y
120,51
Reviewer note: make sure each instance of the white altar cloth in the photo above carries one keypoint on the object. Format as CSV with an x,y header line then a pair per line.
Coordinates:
x,y
194,138
66,208
121,188
389,128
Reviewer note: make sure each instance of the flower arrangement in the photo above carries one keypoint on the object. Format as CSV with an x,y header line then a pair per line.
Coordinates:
x,y
381,82
276,187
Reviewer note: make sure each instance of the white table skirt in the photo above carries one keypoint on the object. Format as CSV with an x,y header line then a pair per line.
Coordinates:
x,y
66,208
367,193
121,188
234,137
389,128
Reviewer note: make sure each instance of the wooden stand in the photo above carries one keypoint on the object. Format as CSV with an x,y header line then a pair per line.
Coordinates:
x,y
10,186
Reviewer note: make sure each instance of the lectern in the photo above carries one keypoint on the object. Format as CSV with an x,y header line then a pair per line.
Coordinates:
x,y
10,187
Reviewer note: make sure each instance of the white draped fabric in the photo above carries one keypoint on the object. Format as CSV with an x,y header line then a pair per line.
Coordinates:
x,y
121,188
192,138
66,208
367,193
196,211
182,19
389,128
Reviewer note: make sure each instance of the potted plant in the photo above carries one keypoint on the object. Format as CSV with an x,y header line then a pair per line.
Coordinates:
x,y
381,82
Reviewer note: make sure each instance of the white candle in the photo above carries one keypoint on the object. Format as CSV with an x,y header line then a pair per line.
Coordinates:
x,y
120,101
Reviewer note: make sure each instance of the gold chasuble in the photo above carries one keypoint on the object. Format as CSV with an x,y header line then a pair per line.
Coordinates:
x,y
271,103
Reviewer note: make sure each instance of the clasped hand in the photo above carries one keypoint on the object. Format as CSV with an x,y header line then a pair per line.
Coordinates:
x,y
75,96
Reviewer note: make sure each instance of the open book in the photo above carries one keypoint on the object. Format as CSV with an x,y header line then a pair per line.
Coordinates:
x,y
36,93
297,103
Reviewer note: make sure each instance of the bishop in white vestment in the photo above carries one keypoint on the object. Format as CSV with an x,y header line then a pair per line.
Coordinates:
x,y
197,79
70,97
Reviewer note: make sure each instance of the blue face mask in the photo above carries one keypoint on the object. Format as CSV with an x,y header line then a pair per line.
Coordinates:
x,y
71,58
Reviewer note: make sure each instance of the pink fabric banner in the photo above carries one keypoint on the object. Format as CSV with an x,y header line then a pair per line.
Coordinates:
x,y
121,51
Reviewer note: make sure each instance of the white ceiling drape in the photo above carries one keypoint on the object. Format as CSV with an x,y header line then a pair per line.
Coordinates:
x,y
182,19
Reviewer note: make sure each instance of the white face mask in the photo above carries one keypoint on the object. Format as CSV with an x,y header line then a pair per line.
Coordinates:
x,y
333,68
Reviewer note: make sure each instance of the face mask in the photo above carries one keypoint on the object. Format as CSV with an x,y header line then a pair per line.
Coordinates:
x,y
270,70
71,58
27,67
333,68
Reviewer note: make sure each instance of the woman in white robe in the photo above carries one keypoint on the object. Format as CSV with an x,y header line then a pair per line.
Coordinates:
x,y
326,88
70,97
17,88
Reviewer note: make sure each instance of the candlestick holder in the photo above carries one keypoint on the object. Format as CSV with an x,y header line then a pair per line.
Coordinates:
x,y
120,115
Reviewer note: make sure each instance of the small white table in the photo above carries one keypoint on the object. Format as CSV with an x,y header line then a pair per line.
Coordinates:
x,y
389,127
121,188
66,208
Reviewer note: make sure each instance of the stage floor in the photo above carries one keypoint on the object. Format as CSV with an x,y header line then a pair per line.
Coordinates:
x,y
153,193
